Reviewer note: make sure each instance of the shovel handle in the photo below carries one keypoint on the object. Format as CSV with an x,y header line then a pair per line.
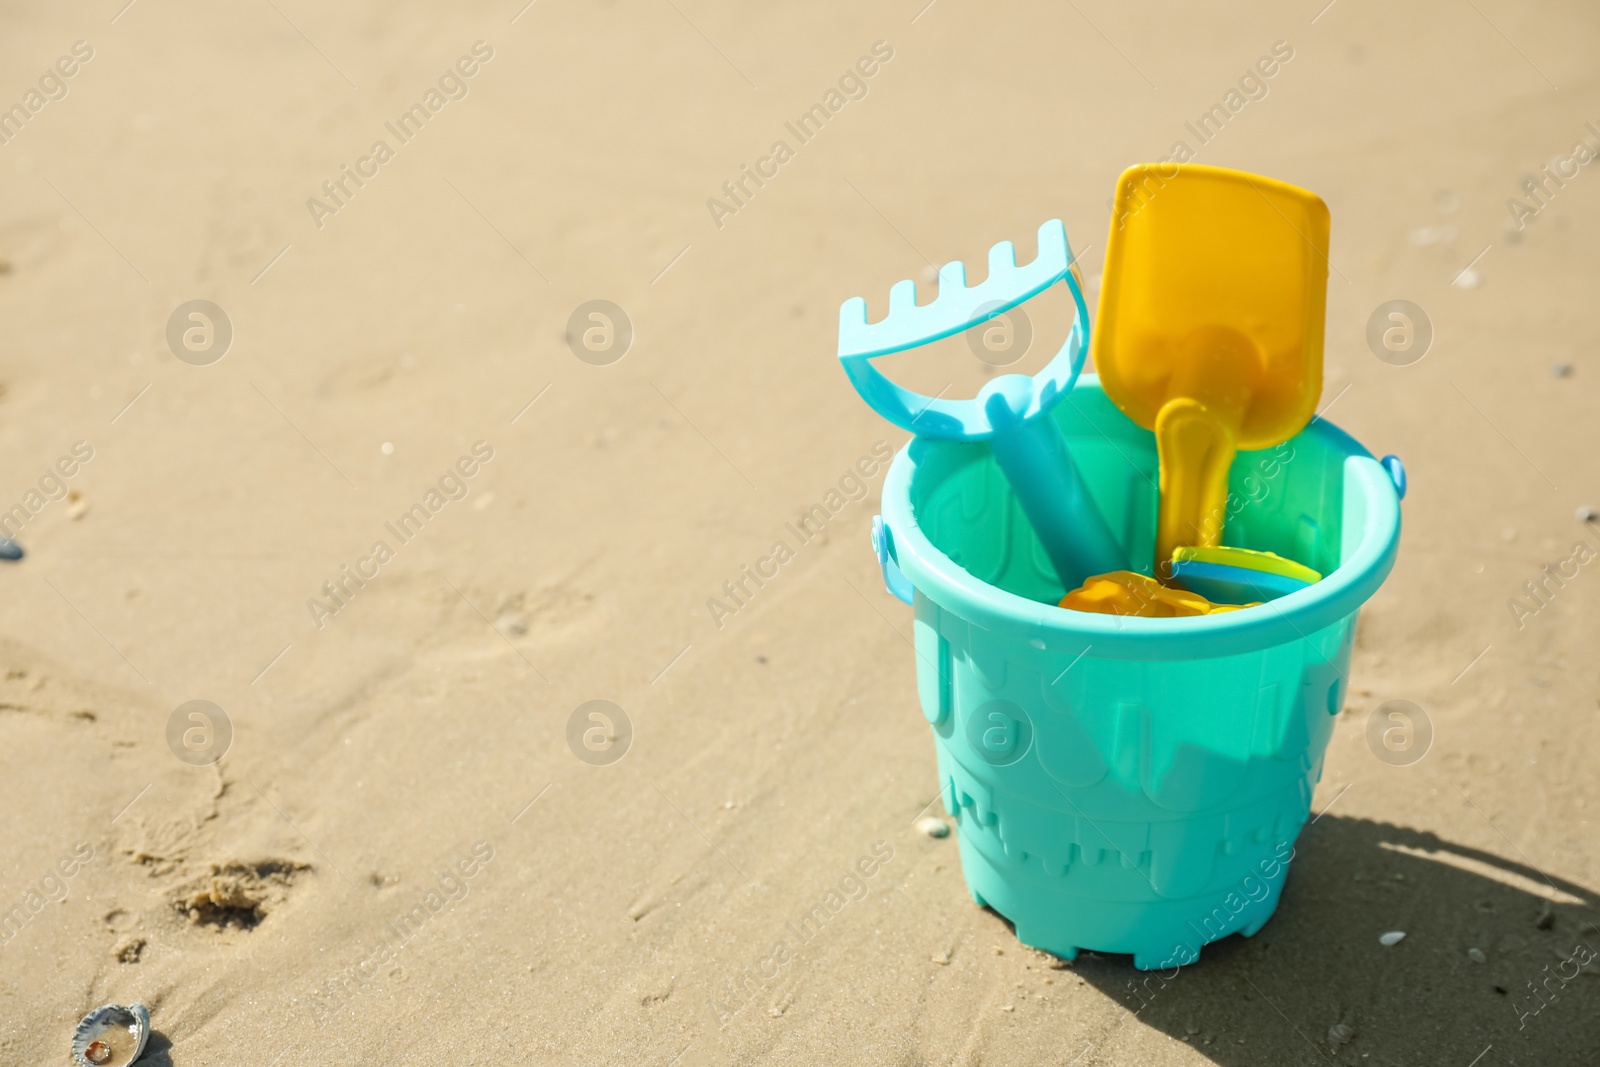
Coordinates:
x,y
1195,447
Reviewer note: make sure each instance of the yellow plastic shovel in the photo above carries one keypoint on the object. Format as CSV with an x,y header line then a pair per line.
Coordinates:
x,y
1210,327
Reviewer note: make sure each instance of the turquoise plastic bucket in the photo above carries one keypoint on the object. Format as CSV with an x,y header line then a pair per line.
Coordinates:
x,y
1122,784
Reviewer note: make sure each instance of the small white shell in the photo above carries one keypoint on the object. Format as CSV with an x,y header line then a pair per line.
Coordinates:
x,y
933,826
1393,937
123,1032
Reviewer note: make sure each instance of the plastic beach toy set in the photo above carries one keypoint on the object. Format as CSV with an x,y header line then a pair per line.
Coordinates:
x,y
1134,595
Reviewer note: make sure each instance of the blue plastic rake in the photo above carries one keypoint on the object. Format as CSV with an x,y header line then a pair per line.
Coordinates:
x,y
1012,411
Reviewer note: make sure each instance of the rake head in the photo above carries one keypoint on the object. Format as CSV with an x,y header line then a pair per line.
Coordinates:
x,y
957,308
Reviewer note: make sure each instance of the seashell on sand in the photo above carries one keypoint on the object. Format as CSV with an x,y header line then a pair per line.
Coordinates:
x,y
113,1035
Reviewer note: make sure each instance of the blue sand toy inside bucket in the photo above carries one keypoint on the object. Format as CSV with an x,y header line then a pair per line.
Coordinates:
x,y
1230,585
1131,785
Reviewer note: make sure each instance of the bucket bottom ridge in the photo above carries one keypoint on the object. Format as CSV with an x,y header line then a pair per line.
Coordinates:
x,y
1103,900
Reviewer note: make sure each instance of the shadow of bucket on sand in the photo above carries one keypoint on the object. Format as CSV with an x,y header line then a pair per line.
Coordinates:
x,y
1274,998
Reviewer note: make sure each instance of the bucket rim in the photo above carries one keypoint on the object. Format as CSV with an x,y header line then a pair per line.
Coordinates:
x,y
1046,627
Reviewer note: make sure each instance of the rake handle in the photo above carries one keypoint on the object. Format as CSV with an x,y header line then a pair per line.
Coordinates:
x,y
1032,453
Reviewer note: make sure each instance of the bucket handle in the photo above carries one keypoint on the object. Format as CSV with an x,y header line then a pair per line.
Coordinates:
x,y
894,579
1397,473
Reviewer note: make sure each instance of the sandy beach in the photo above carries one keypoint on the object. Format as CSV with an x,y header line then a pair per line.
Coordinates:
x,y
399,381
